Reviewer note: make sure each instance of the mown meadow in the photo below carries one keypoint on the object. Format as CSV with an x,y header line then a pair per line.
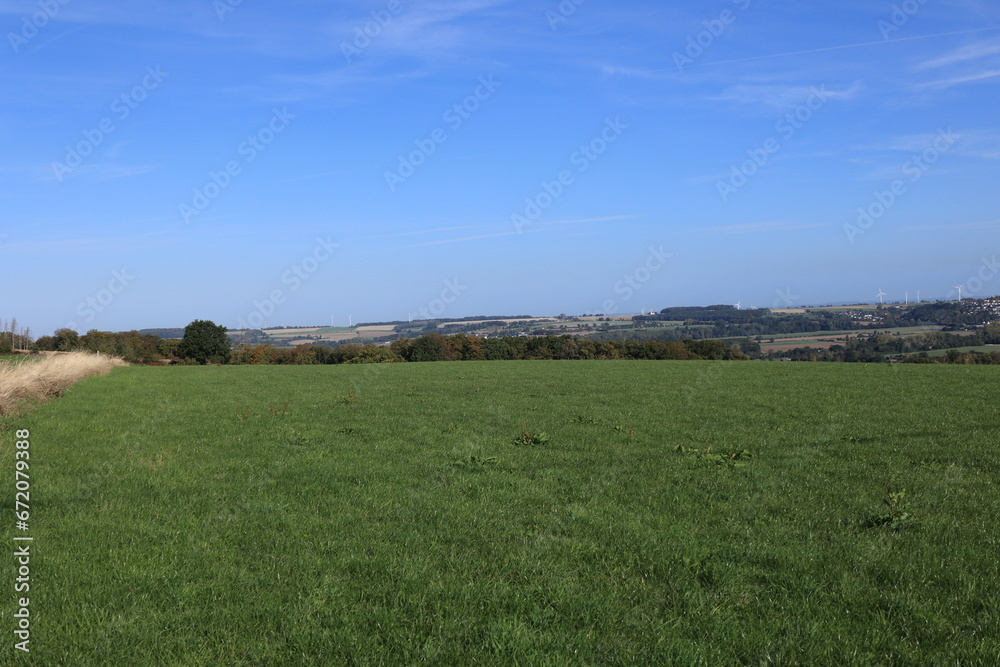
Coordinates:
x,y
515,513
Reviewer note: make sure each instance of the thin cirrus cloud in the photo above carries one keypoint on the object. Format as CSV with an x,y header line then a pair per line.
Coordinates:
x,y
765,227
976,77
539,227
982,144
962,55
100,245
971,226
969,64
465,239
784,96
98,172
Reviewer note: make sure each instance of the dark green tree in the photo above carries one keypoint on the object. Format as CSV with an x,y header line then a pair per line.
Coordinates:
x,y
430,347
205,342
67,340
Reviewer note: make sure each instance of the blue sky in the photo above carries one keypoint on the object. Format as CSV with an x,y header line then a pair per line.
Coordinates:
x,y
305,162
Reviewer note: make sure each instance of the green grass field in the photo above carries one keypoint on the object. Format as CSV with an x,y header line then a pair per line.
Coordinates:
x,y
383,515
333,330
974,348
15,358
897,331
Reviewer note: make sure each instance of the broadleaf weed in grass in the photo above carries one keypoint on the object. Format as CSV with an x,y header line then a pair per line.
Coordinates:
x,y
896,515
581,419
476,463
732,457
296,438
935,464
528,439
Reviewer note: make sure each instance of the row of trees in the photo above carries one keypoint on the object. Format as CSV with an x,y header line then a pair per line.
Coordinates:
x,y
14,338
207,343
435,347
204,342
956,357
131,346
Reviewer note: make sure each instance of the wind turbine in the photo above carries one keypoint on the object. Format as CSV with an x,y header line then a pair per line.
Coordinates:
x,y
907,296
739,305
881,296
350,321
918,296
959,288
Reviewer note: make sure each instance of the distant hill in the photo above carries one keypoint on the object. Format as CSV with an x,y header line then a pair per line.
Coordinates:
x,y
164,333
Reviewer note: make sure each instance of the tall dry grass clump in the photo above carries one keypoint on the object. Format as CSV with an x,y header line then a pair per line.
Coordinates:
x,y
38,380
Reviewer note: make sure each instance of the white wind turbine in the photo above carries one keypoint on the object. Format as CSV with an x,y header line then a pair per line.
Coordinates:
x,y
918,296
959,288
907,297
881,296
739,305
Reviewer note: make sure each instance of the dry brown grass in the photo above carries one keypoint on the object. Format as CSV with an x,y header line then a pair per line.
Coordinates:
x,y
40,379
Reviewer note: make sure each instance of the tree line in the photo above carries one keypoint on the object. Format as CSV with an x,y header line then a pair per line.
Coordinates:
x,y
14,338
435,347
207,343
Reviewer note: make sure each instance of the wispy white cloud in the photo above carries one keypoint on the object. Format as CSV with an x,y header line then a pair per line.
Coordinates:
x,y
465,239
784,96
580,221
428,28
972,63
418,232
96,245
912,143
97,172
988,224
765,227
975,143
309,177
941,84
962,54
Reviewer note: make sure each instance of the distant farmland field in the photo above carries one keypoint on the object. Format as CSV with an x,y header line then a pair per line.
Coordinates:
x,y
652,513
963,350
